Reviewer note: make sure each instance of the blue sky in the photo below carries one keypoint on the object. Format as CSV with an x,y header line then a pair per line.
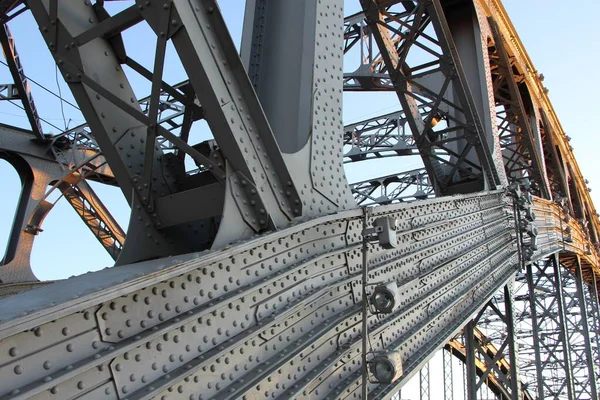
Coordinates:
x,y
563,46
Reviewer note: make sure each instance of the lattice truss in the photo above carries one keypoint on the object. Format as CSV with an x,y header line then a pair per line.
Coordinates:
x,y
422,64
556,337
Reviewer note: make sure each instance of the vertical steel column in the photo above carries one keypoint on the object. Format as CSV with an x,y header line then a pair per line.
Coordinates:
x,y
465,384
576,337
365,308
593,303
552,367
564,337
585,331
448,378
536,332
471,373
515,383
424,382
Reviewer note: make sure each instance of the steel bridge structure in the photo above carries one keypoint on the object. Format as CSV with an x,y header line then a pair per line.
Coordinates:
x,y
252,267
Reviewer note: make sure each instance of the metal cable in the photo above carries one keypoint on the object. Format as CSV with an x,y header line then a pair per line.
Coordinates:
x,y
23,108
46,89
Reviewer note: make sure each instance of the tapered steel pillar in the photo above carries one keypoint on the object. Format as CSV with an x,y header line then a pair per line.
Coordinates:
x,y
292,52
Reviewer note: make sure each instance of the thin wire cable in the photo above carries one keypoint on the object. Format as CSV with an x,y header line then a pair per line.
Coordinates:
x,y
51,119
46,89
23,108
62,108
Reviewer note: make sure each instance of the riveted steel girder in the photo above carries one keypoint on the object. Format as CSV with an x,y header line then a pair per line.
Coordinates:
x,y
305,113
91,65
241,315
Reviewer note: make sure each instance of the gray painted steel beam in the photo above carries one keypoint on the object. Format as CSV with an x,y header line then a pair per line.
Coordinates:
x,y
551,370
148,325
492,360
406,186
101,89
305,112
471,370
424,383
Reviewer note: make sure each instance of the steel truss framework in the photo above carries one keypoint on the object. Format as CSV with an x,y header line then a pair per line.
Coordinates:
x,y
504,380
556,342
448,375
268,268
555,331
488,350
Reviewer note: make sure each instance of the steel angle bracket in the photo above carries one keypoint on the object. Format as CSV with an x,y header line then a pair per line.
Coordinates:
x,y
249,202
232,108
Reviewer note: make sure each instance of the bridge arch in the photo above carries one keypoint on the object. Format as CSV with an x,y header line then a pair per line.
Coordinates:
x,y
25,174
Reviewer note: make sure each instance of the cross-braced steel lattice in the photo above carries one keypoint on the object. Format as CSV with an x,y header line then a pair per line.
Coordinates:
x,y
545,352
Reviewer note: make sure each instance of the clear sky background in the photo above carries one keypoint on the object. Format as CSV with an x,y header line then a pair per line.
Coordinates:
x,y
562,38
